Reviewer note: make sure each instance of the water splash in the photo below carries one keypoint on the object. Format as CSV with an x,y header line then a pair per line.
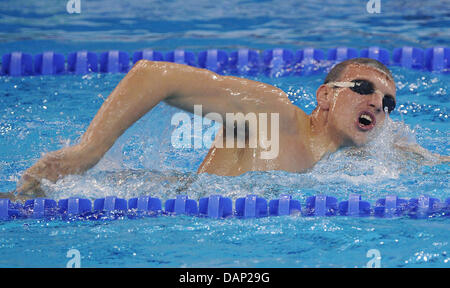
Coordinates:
x,y
371,170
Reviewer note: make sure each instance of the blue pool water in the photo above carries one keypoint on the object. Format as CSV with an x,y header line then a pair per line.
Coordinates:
x,y
40,114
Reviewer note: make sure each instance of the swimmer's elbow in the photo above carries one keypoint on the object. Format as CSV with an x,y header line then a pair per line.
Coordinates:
x,y
144,65
155,76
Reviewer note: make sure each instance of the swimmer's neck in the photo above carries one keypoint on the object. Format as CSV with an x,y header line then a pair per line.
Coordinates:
x,y
321,137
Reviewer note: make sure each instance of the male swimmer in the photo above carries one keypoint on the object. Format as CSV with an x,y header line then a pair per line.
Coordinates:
x,y
353,101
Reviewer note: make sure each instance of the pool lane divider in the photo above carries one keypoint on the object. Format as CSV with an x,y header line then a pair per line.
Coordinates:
x,y
181,205
144,206
215,206
284,205
251,206
275,62
321,205
354,207
219,207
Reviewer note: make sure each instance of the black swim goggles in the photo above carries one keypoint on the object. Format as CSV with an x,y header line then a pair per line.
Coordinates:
x,y
365,87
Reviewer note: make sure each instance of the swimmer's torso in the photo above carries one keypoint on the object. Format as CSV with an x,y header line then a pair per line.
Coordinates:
x,y
294,156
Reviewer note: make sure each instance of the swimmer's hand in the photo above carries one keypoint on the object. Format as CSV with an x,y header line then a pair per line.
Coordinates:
x,y
53,166
428,157
13,196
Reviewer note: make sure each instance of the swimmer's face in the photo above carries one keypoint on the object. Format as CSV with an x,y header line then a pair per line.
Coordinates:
x,y
353,116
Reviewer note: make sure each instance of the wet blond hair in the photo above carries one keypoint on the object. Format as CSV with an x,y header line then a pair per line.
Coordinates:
x,y
336,71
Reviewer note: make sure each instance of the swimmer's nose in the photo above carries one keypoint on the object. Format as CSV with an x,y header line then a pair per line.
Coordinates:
x,y
376,101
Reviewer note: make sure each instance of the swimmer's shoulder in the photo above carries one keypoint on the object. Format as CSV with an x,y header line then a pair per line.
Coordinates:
x,y
296,121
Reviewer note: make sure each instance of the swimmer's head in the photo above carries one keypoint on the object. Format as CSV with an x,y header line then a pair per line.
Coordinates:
x,y
355,97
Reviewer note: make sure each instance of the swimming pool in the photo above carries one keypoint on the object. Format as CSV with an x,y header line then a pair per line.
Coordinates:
x,y
44,113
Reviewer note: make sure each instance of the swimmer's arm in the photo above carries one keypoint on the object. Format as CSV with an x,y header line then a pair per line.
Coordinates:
x,y
224,94
182,86
147,84
421,152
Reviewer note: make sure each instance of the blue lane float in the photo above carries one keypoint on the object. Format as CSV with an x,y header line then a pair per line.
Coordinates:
x,y
284,205
408,57
321,205
144,206
147,54
354,207
219,207
114,62
213,59
181,57
82,62
49,63
215,206
390,206
74,207
341,54
251,206
437,59
272,62
40,208
447,207
424,206
278,62
110,207
17,64
10,210
244,62
376,53
181,205
307,61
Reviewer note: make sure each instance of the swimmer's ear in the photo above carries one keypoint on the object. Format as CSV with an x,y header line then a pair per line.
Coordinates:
x,y
323,95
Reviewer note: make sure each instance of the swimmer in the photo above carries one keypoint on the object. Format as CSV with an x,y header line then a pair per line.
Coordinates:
x,y
355,98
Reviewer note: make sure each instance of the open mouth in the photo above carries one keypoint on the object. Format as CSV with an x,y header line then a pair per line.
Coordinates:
x,y
366,121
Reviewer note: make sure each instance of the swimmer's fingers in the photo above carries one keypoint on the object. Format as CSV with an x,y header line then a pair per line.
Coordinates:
x,y
418,150
30,188
50,167
14,197
426,157
440,158
444,159
8,195
29,184
53,166
46,167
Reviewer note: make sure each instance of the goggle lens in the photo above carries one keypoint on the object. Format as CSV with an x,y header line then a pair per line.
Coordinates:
x,y
364,87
